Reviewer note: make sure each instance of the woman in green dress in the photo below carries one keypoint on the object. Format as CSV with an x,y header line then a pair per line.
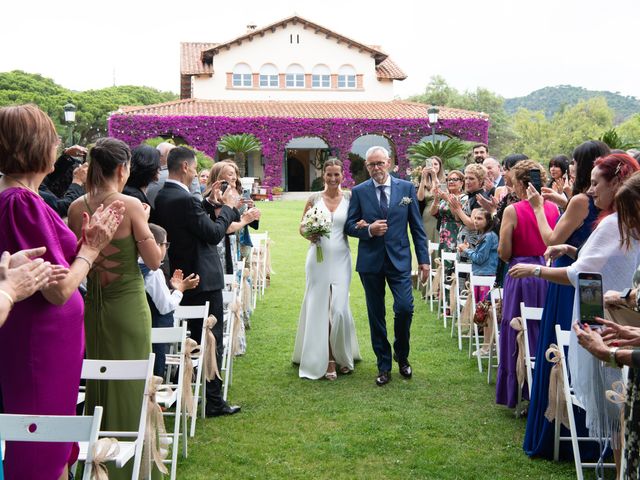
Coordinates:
x,y
117,316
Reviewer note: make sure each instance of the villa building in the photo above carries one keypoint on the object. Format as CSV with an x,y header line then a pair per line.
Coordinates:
x,y
306,92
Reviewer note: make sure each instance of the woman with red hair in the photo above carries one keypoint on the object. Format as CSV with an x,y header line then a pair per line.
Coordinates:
x,y
602,253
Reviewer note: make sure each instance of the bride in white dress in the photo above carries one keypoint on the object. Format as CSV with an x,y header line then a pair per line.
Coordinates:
x,y
326,339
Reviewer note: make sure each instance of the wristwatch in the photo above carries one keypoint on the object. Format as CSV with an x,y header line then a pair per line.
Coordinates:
x,y
537,271
612,357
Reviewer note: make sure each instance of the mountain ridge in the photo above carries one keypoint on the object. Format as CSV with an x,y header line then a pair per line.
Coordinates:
x,y
553,99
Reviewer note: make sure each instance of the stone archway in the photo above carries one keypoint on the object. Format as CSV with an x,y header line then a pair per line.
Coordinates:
x,y
358,149
304,157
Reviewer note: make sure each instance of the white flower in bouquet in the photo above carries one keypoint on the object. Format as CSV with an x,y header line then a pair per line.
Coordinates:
x,y
317,222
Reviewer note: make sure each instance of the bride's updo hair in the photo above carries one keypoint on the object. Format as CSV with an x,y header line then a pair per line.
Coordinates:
x,y
332,162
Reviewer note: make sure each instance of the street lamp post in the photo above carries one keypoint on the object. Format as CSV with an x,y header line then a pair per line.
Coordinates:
x,y
70,118
433,119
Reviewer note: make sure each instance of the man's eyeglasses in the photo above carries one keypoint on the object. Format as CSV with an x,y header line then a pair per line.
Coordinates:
x,y
376,164
166,244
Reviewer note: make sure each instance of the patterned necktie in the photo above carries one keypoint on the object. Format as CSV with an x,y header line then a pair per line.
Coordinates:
x,y
384,205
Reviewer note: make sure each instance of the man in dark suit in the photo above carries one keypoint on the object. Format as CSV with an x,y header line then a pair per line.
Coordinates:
x,y
387,205
193,237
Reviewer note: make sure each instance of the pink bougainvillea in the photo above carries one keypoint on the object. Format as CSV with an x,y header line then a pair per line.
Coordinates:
x,y
203,134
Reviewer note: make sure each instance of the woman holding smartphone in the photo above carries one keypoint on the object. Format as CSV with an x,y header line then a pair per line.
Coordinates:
x,y
430,180
228,249
573,228
601,253
520,243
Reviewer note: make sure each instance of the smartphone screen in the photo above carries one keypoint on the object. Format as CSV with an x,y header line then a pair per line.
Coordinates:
x,y
246,194
591,301
534,175
443,187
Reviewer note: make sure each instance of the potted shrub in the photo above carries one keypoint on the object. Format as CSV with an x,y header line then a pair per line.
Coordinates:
x,y
276,192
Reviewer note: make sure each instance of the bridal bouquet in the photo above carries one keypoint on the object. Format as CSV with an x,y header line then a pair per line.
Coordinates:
x,y
316,222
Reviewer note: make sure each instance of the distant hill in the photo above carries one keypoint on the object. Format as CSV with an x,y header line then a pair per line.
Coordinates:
x,y
552,99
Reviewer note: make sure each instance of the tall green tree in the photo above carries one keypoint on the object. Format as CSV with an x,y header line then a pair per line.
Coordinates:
x,y
630,130
541,139
93,106
438,92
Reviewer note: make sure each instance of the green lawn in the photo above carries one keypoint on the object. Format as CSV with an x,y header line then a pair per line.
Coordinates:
x,y
442,424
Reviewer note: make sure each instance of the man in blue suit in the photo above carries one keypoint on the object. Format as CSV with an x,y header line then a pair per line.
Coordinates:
x,y
379,212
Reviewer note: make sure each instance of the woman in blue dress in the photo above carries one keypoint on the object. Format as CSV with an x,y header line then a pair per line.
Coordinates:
x,y
573,228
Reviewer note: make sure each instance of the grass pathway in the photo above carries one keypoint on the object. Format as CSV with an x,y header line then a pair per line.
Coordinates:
x,y
442,424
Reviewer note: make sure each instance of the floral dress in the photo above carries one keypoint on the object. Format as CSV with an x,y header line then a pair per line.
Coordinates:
x,y
449,226
632,411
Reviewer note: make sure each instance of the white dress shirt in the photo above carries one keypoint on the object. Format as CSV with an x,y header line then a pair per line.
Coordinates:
x,y
156,286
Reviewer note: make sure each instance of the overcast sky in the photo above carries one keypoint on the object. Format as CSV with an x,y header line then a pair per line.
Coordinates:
x,y
511,47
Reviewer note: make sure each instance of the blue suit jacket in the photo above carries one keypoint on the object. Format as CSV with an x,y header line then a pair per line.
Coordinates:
x,y
364,204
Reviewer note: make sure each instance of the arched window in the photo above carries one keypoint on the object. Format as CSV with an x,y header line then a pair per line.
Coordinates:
x,y
295,76
242,75
321,77
268,76
346,77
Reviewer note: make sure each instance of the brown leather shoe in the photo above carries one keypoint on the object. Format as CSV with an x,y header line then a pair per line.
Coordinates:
x,y
383,378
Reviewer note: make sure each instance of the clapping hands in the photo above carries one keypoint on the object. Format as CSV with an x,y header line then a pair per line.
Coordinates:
x,y
181,283
98,230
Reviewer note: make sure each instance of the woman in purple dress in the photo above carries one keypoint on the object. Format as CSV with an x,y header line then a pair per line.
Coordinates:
x,y
520,242
42,340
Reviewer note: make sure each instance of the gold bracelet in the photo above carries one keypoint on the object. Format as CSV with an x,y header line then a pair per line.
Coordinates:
x,y
80,257
5,294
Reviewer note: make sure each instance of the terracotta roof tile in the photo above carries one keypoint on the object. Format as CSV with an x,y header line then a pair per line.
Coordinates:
x,y
235,108
388,69
191,58
208,53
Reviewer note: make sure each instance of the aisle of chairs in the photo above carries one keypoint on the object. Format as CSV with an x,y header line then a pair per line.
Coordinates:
x,y
451,290
170,406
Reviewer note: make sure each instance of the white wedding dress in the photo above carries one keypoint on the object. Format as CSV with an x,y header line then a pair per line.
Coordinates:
x,y
326,303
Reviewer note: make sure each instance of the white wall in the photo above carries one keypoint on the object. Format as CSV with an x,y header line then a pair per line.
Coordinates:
x,y
276,48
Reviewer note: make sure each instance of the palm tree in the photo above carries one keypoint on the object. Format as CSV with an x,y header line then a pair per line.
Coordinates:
x,y
615,142
450,151
239,146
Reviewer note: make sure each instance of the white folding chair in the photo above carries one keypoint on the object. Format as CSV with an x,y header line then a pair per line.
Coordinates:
x,y
562,338
433,248
479,281
445,288
461,299
228,298
259,264
122,370
44,428
529,314
171,394
495,295
183,313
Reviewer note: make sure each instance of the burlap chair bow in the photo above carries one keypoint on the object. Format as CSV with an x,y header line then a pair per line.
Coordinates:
x,y
521,365
154,430
236,309
453,291
557,407
211,360
191,350
435,283
466,315
104,450
617,394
